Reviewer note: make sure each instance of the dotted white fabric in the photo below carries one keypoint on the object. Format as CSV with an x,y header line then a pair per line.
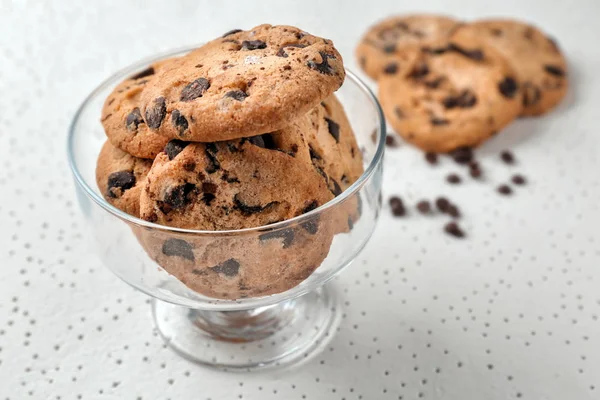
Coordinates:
x,y
511,312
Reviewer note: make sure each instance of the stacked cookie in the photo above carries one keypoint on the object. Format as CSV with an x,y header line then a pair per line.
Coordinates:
x,y
444,84
242,132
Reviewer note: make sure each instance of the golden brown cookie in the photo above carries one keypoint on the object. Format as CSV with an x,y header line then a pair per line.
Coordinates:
x,y
120,177
455,94
122,119
243,84
387,46
539,64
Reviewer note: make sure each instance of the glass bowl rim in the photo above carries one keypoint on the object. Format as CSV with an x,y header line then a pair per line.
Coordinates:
x,y
99,200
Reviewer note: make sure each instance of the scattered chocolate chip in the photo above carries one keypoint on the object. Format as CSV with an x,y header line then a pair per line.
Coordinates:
x,y
194,89
389,48
475,172
178,248
453,179
286,234
323,67
238,95
453,211
281,52
156,112
253,45
462,155
508,87
519,180
531,94
475,54
337,190
442,204
507,157
179,196
231,32
247,209
311,226
397,206
398,112
179,121
554,70
229,268
391,68
121,180
134,119
504,190
431,158
439,121
453,229
211,154
334,129
466,99
390,141
142,74
174,147
424,206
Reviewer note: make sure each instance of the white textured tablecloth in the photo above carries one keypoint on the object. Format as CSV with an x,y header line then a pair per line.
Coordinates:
x,y
509,313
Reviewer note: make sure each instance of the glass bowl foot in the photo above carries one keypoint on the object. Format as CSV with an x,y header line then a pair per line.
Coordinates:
x,y
279,335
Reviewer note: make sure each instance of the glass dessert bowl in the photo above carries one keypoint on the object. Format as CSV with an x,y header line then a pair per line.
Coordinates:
x,y
216,321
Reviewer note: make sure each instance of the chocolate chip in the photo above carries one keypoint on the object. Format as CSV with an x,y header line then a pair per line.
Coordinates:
x,y
504,190
229,179
253,45
207,198
121,180
453,229
434,84
391,68
442,204
397,206
211,154
142,74
475,172
281,52
424,207
389,48
431,158
398,112
179,121
531,94
134,119
313,154
436,51
554,70
286,234
189,166
174,147
248,209
453,179
390,141
156,112
334,129
508,87
337,190
507,157
462,155
229,268
466,99
266,141
311,226
231,32
439,121
195,89
419,71
208,187
178,248
238,95
180,195
476,54
519,180
453,211
323,67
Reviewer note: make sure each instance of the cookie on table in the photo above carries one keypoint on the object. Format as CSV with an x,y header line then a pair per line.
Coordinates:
x,y
387,46
455,94
538,62
120,177
122,119
243,84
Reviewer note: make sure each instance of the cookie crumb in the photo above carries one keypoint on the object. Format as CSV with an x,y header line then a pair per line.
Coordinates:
x,y
453,229
397,206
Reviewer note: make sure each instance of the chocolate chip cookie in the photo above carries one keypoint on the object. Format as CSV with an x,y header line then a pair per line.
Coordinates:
x,y
120,176
243,84
387,46
123,122
456,94
538,62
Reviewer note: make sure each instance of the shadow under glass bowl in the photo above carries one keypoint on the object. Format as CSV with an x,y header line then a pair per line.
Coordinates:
x,y
245,333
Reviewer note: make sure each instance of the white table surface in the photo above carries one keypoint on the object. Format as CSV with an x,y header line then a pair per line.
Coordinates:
x,y
509,313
